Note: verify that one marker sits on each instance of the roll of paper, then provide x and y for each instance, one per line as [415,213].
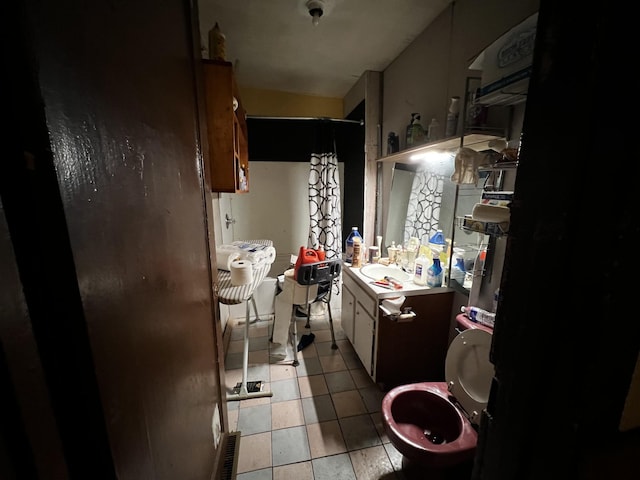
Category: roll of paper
[224,258]
[241,272]
[490,213]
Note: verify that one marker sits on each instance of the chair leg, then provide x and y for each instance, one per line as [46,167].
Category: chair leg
[334,346]
[294,335]
[255,309]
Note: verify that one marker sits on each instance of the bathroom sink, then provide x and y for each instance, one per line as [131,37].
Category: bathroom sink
[377,271]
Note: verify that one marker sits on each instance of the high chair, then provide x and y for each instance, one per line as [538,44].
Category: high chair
[313,283]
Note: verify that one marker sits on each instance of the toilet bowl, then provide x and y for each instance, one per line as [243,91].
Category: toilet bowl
[433,424]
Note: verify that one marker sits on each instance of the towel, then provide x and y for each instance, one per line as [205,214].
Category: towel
[394,305]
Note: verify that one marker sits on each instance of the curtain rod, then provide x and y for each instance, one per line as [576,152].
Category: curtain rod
[343,120]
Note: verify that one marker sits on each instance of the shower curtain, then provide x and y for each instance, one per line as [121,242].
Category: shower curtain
[423,210]
[325,226]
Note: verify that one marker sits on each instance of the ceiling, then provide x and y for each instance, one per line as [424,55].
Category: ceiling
[274,44]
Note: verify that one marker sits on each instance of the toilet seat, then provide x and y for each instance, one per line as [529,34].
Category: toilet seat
[469,371]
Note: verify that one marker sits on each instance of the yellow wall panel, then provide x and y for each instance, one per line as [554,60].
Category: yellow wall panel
[273,103]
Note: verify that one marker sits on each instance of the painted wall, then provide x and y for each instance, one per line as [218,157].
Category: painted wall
[273,103]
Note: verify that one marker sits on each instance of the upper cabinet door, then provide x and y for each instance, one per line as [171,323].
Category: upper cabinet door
[226,130]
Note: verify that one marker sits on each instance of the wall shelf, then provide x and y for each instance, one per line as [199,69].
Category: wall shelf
[476,141]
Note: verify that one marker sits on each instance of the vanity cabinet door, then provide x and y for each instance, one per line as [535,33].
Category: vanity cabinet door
[348,312]
[364,335]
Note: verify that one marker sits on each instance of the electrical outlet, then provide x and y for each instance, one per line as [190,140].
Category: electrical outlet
[215,427]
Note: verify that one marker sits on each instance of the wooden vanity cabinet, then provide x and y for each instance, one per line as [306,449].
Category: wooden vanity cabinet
[415,351]
[226,129]
[395,353]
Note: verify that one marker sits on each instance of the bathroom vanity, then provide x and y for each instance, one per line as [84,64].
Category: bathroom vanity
[396,352]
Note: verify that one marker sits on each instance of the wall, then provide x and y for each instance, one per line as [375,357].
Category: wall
[272,103]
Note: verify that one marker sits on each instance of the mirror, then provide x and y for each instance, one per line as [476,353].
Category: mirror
[421,197]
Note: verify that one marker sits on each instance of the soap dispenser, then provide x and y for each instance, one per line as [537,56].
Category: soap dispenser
[415,131]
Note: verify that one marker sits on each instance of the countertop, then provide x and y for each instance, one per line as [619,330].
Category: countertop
[408,288]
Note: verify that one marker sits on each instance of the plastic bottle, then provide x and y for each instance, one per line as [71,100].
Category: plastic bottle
[434,273]
[458,270]
[349,244]
[321,253]
[393,143]
[451,127]
[217,44]
[479,315]
[434,131]
[421,268]
[392,252]
[357,252]
[413,245]
[415,131]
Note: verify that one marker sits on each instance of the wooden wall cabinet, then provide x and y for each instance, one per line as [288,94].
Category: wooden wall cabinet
[227,130]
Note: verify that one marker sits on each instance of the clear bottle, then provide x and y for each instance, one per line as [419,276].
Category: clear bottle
[392,252]
[434,273]
[349,244]
[411,252]
[434,130]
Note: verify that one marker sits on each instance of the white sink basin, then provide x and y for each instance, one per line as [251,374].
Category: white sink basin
[376,271]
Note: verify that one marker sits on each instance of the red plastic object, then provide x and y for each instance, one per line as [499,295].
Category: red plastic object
[306,255]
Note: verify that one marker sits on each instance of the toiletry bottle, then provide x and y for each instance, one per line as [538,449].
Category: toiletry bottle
[357,252]
[409,132]
[458,270]
[420,270]
[411,251]
[393,143]
[434,273]
[434,131]
[392,252]
[321,253]
[217,44]
[349,244]
[452,117]
[415,131]
[479,315]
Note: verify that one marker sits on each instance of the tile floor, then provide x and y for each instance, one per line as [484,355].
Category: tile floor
[323,421]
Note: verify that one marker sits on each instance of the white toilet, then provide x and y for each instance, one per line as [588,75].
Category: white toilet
[434,424]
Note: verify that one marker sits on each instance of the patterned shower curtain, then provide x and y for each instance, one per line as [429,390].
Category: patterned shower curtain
[325,226]
[423,210]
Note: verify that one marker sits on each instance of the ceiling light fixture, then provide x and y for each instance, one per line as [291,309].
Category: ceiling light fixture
[316,9]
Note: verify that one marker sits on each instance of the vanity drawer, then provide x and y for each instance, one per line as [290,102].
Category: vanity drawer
[369,304]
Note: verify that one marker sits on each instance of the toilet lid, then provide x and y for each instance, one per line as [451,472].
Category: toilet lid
[468,370]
